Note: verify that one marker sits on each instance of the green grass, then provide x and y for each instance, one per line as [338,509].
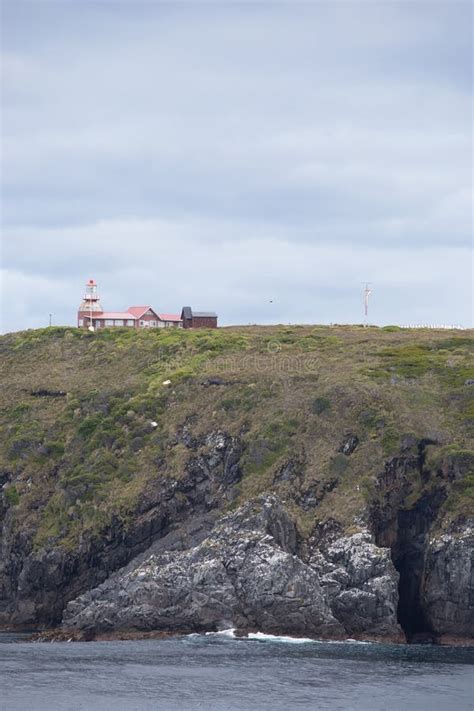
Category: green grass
[414,360]
[12,496]
[320,405]
[269,445]
[288,393]
[338,465]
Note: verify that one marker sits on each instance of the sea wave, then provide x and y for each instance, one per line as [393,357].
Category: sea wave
[262,637]
[230,633]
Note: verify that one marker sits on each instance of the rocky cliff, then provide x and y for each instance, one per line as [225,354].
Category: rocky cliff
[245,573]
[301,480]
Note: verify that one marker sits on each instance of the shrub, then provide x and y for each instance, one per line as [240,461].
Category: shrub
[21,446]
[369,417]
[19,410]
[54,449]
[260,455]
[454,343]
[412,361]
[390,441]
[137,444]
[12,496]
[88,426]
[230,403]
[106,434]
[467,411]
[320,405]
[85,481]
[273,442]
[338,464]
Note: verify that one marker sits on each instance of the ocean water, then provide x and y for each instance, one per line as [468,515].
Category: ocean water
[220,672]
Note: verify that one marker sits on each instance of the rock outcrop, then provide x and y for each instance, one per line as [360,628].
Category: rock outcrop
[246,573]
[189,568]
[436,568]
[349,453]
[448,590]
[360,581]
[35,585]
[251,571]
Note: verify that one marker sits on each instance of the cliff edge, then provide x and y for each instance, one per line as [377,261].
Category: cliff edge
[304,480]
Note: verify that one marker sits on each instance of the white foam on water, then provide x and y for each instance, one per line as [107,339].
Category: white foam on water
[230,633]
[261,636]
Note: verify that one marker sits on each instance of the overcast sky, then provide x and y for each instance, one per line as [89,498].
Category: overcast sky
[224,155]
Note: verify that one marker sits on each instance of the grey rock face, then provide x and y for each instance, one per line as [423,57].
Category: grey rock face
[436,569]
[448,593]
[349,444]
[214,472]
[36,585]
[361,583]
[245,573]
[184,571]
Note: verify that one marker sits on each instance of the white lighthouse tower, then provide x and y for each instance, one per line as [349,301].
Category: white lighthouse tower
[89,307]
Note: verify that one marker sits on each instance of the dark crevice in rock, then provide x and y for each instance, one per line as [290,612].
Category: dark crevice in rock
[42,392]
[405,530]
[408,555]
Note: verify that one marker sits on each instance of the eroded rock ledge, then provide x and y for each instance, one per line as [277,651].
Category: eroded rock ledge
[250,572]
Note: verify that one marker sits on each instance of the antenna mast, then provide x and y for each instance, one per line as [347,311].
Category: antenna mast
[367,293]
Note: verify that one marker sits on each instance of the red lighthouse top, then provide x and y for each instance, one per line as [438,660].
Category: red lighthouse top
[91,299]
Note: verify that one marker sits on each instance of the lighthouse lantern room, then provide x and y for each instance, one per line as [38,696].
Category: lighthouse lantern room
[90,305]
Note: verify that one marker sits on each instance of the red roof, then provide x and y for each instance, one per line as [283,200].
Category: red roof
[138,311]
[169,317]
[113,314]
[134,312]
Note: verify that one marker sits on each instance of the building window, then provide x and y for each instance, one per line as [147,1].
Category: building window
[130,322]
[109,322]
[81,322]
[118,322]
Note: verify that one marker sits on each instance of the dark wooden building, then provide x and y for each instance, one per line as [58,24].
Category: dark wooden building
[198,319]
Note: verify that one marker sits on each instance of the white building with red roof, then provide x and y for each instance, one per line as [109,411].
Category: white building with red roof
[91,315]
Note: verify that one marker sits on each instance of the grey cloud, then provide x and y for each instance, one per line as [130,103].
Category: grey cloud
[308,282]
[283,132]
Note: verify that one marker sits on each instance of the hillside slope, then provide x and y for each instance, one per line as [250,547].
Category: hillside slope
[355,445]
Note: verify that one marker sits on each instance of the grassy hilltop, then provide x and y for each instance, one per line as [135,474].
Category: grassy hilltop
[87,425]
